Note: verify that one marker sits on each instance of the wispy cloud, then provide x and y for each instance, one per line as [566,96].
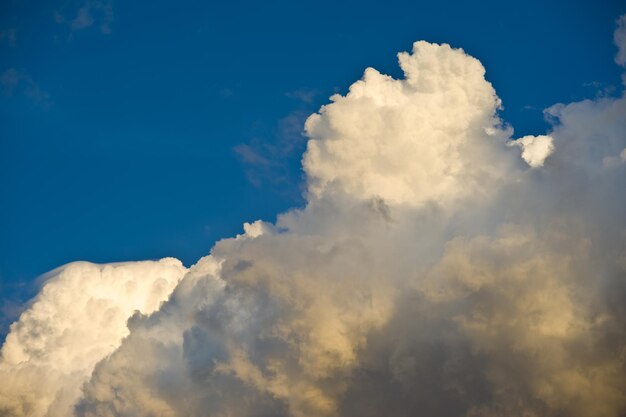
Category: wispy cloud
[15,82]
[269,160]
[97,13]
[619,37]
[304,95]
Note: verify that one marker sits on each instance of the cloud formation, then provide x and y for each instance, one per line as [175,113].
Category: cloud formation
[440,267]
[432,136]
[78,318]
[535,149]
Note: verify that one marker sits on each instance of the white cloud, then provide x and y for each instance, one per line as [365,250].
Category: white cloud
[78,318]
[535,149]
[430,272]
[432,136]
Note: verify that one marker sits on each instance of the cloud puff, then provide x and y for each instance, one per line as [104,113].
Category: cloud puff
[535,149]
[266,160]
[78,318]
[432,136]
[432,271]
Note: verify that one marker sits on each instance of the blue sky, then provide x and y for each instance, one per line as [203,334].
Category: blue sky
[137,130]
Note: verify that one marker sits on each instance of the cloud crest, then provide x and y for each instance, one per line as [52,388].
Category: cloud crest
[432,136]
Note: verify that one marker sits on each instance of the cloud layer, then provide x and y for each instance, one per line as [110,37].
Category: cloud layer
[439,267]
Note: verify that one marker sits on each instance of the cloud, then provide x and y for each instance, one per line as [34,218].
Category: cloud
[88,14]
[620,41]
[439,267]
[432,136]
[270,161]
[10,79]
[535,149]
[78,318]
[14,81]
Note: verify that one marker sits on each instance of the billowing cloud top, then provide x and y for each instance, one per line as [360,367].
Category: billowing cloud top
[78,318]
[439,268]
[432,136]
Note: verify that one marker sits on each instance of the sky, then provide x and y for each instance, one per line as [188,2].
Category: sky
[312,210]
[136,131]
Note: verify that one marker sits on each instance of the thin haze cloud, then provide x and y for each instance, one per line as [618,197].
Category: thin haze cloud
[88,14]
[439,267]
[14,82]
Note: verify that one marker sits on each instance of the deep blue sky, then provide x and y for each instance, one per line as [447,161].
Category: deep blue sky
[136,130]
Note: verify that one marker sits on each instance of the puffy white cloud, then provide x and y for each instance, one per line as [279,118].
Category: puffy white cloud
[535,149]
[78,318]
[431,271]
[432,136]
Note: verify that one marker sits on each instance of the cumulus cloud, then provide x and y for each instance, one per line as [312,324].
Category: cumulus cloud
[535,149]
[439,267]
[78,318]
[432,136]
[266,160]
